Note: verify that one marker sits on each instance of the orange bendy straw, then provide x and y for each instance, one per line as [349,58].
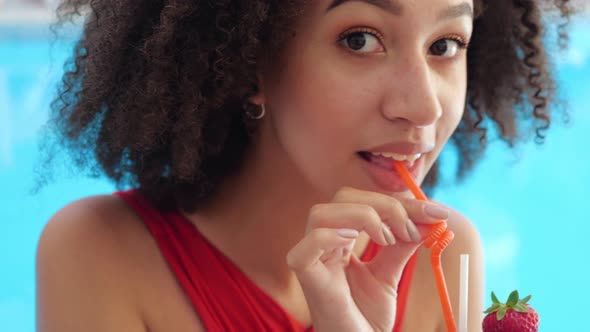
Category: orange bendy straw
[438,239]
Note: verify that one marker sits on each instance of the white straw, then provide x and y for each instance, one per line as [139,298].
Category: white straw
[463,292]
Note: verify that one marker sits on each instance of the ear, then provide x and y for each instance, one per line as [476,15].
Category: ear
[259,97]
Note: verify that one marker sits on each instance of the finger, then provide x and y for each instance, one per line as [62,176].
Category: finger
[422,215]
[305,259]
[347,254]
[396,212]
[425,212]
[390,262]
[337,256]
[360,217]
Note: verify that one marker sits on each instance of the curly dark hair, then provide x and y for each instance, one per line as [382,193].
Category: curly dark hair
[155,93]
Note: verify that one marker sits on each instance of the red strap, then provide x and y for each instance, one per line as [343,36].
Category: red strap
[403,291]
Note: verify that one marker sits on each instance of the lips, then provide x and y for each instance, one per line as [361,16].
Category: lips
[380,170]
[403,148]
[386,160]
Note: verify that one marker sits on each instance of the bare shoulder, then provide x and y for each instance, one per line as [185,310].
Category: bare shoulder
[467,240]
[97,265]
[82,271]
[90,228]
[467,236]
[92,221]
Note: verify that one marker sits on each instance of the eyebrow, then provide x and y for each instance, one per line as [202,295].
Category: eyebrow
[394,7]
[390,6]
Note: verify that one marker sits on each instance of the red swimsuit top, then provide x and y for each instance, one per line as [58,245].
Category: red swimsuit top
[224,298]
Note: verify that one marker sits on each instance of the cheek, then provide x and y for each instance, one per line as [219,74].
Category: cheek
[449,122]
[453,106]
[453,101]
[315,115]
[314,103]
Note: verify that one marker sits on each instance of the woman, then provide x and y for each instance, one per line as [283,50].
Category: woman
[258,137]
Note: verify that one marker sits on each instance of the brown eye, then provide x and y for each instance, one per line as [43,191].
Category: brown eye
[447,47]
[361,42]
[356,41]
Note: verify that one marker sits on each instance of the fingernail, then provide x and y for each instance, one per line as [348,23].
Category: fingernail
[345,252]
[349,247]
[389,238]
[413,231]
[348,233]
[436,211]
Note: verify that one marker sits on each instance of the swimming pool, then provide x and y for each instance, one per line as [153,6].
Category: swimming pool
[531,214]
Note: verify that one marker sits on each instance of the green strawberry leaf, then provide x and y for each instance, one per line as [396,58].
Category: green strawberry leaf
[501,313]
[493,308]
[494,298]
[513,302]
[512,299]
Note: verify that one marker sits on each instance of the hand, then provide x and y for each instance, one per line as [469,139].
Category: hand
[343,293]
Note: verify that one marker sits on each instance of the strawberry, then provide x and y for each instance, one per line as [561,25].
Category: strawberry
[513,316]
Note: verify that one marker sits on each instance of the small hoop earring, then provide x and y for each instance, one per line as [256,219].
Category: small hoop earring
[258,116]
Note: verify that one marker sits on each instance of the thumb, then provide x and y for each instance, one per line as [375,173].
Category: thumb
[390,262]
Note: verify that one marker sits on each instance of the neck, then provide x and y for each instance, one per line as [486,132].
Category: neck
[257,216]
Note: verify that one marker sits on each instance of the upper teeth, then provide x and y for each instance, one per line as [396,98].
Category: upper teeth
[401,157]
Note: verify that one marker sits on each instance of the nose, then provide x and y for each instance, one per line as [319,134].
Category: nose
[411,94]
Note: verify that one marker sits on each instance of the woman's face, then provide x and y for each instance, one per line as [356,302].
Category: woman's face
[363,78]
